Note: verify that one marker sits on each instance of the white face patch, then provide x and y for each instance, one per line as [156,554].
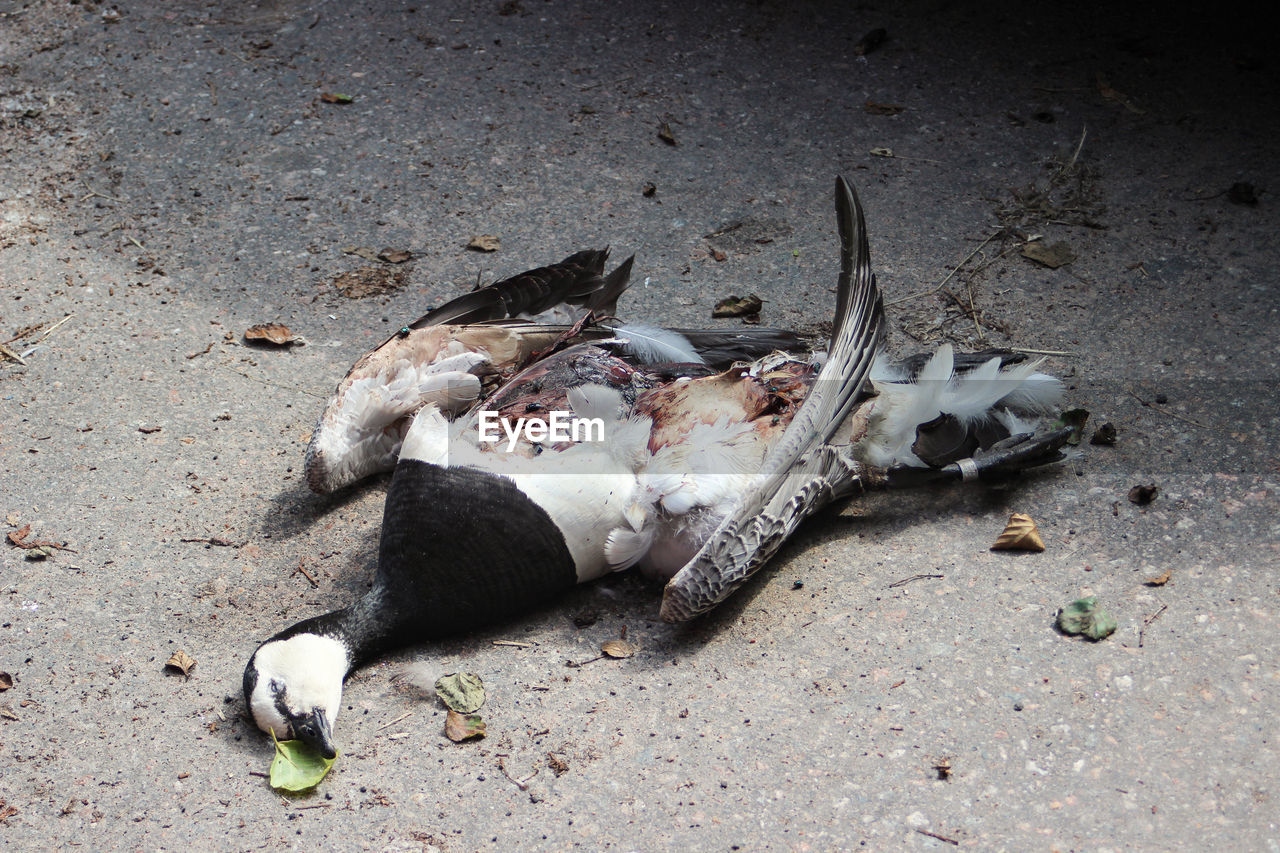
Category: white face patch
[303,672]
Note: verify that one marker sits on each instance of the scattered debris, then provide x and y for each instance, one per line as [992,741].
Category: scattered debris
[665,134]
[213,540]
[1159,580]
[648,190]
[459,727]
[406,715]
[149,429]
[943,768]
[618,649]
[1160,400]
[732,306]
[461,691]
[302,569]
[37,549]
[513,643]
[366,252]
[1143,495]
[11,355]
[522,784]
[1146,623]
[370,281]
[297,767]
[1053,255]
[387,255]
[1084,617]
[395,256]
[335,98]
[953,842]
[906,581]
[6,681]
[1104,435]
[870,41]
[273,333]
[181,662]
[485,243]
[1020,534]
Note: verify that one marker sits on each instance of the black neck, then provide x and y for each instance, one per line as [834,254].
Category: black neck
[360,627]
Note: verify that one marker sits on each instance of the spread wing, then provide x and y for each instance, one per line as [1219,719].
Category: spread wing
[803,471]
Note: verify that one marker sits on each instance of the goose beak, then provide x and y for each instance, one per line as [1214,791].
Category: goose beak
[316,731]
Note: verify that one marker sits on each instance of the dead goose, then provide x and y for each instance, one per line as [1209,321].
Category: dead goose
[694,475]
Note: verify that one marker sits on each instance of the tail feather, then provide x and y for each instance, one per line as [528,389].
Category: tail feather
[941,413]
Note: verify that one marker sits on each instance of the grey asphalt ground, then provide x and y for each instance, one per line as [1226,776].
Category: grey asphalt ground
[172,175]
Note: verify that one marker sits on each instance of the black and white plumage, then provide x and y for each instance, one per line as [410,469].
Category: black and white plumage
[699,472]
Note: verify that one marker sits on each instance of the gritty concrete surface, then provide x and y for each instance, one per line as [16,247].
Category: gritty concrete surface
[171,175]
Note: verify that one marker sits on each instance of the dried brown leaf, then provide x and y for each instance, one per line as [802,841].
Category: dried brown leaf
[181,662]
[1104,435]
[485,243]
[460,727]
[370,281]
[1052,255]
[335,98]
[394,256]
[665,134]
[618,649]
[367,252]
[1143,495]
[18,537]
[1160,580]
[273,333]
[732,306]
[6,681]
[1020,534]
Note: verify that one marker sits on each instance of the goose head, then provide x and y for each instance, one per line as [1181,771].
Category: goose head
[293,688]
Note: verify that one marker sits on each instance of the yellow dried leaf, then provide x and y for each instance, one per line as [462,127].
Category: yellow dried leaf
[618,649]
[1020,534]
[1160,580]
[275,333]
[485,243]
[181,662]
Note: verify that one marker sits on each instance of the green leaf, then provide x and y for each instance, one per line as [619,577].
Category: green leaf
[461,691]
[1085,617]
[1074,418]
[297,767]
[460,727]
